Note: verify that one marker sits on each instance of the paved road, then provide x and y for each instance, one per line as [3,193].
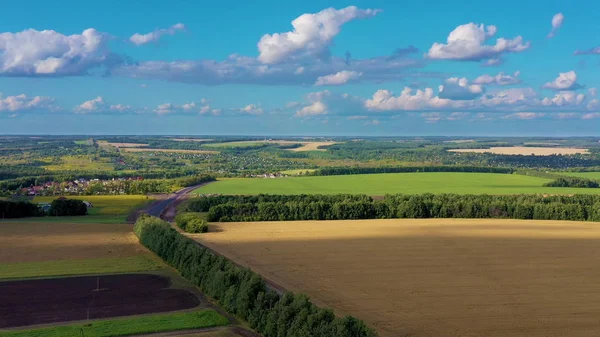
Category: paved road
[160,207]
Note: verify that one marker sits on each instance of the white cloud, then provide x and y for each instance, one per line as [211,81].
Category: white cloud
[192,107]
[384,100]
[567,115]
[339,78]
[595,50]
[467,43]
[165,108]
[92,105]
[500,79]
[252,109]
[49,53]
[557,21]
[564,98]
[592,115]
[98,104]
[564,81]
[524,115]
[23,102]
[459,89]
[316,108]
[141,39]
[312,34]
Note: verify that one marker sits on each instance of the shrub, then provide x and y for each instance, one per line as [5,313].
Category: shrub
[67,207]
[196,226]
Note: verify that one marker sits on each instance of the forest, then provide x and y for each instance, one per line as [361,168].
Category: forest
[241,291]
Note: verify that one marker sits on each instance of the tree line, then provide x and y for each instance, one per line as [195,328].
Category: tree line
[332,171]
[18,209]
[573,182]
[343,207]
[241,291]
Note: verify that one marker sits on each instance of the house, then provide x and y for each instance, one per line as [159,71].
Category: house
[88,204]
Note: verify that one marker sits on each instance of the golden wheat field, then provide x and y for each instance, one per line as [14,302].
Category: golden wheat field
[434,277]
[526,150]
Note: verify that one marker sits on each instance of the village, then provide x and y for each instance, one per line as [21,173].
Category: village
[80,186]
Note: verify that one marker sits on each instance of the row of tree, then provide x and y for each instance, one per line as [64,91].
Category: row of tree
[18,209]
[195,180]
[280,208]
[243,292]
[573,182]
[333,171]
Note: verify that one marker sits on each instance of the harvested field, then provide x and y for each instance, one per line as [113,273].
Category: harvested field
[434,277]
[191,140]
[55,249]
[312,146]
[166,150]
[526,150]
[119,145]
[27,242]
[32,302]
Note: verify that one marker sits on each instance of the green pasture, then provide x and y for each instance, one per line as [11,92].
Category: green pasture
[113,265]
[381,184]
[81,163]
[107,209]
[129,326]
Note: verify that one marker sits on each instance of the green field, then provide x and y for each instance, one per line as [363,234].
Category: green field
[381,184]
[77,163]
[107,209]
[588,175]
[79,267]
[129,326]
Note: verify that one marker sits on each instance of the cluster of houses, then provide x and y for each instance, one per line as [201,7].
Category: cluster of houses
[77,186]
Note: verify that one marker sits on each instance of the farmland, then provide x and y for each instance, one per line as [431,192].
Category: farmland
[380,184]
[306,145]
[588,175]
[136,149]
[526,150]
[431,278]
[38,249]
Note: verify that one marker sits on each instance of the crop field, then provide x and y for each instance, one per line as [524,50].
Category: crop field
[130,326]
[433,277]
[166,150]
[57,249]
[381,184]
[526,150]
[312,146]
[307,146]
[81,163]
[119,145]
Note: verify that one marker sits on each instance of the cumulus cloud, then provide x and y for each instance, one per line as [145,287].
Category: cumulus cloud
[98,104]
[326,102]
[557,21]
[467,43]
[252,109]
[499,79]
[459,89]
[141,39]
[312,35]
[564,81]
[192,107]
[49,53]
[338,78]
[401,52]
[384,100]
[591,115]
[23,102]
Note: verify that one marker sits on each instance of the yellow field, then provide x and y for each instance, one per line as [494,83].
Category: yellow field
[525,150]
[312,146]
[166,150]
[434,277]
[119,145]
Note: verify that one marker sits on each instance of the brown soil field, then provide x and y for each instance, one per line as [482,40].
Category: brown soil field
[33,302]
[28,242]
[312,146]
[166,150]
[525,150]
[433,277]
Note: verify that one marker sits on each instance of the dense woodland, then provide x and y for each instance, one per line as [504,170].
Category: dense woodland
[242,292]
[349,207]
[18,209]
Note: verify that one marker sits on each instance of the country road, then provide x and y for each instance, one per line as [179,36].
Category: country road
[166,208]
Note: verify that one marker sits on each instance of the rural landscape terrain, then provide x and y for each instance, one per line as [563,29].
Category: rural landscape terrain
[220,236]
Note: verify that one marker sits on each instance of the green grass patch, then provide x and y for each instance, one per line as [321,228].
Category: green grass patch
[380,184]
[129,326]
[81,163]
[114,265]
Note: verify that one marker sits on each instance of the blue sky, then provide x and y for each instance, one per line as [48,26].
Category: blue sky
[300,68]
